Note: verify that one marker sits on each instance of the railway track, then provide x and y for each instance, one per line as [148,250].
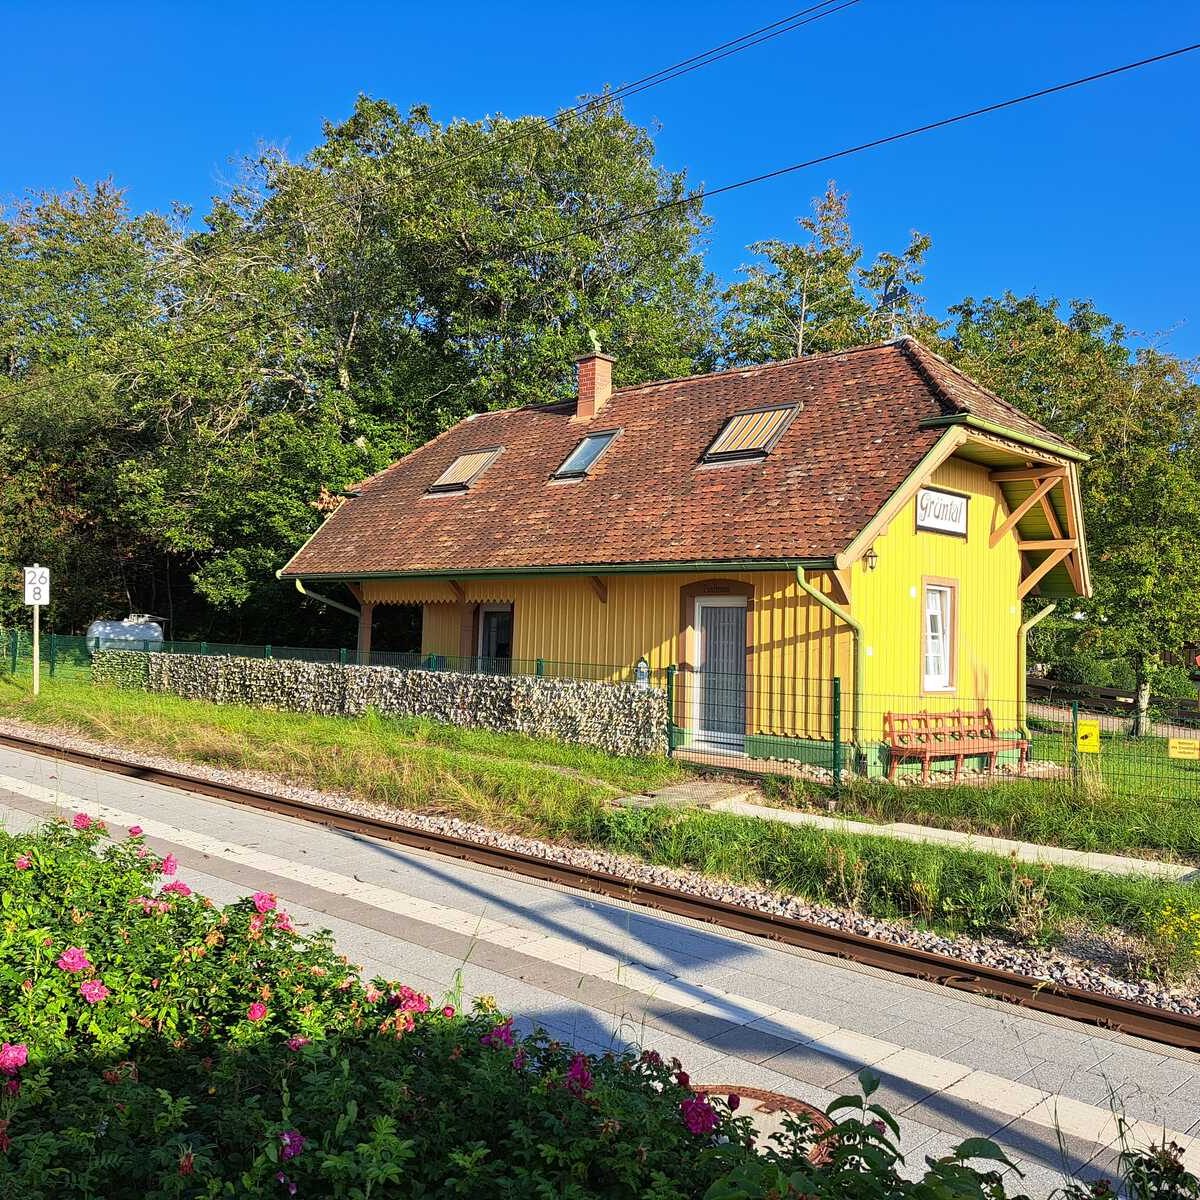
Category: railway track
[1108,1012]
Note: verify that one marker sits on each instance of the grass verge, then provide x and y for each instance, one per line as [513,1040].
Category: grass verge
[563,792]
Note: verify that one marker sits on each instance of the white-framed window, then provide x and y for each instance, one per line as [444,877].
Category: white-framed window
[938,662]
[581,460]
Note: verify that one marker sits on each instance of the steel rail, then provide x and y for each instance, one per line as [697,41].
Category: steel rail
[1092,1008]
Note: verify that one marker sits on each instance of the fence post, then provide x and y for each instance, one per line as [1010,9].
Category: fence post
[541,667]
[203,648]
[837,738]
[12,649]
[266,652]
[343,656]
[53,654]
[1075,743]
[671,709]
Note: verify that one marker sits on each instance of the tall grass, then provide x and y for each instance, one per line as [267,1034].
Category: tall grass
[505,779]
[943,887]
[1097,817]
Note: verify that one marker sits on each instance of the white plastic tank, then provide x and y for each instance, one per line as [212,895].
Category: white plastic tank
[133,633]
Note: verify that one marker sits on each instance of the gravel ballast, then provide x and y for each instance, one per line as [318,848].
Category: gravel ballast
[1090,970]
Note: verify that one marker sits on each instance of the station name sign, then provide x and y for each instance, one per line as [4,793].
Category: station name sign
[942,512]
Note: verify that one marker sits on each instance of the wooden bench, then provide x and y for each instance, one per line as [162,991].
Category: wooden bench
[958,735]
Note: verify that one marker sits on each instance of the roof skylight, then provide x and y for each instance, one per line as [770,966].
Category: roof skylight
[581,460]
[750,434]
[465,469]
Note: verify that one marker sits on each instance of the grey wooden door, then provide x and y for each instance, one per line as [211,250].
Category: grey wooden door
[721,630]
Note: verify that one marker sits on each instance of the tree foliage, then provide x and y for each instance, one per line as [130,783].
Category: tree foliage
[173,404]
[1134,411]
[816,295]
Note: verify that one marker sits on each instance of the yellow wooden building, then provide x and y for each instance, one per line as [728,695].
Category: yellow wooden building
[871,516]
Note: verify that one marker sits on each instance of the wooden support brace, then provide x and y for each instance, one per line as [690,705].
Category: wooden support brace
[840,586]
[1043,568]
[460,593]
[1050,544]
[1030,473]
[599,587]
[1057,532]
[356,591]
[366,616]
[1042,489]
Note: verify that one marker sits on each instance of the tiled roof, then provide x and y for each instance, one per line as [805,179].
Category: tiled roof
[964,395]
[857,435]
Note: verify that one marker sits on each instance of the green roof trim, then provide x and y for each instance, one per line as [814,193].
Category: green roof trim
[973,422]
[656,568]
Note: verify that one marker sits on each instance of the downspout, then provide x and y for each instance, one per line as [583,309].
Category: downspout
[317,596]
[1022,647]
[855,632]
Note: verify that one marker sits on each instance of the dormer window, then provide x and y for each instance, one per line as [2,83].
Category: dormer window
[752,434]
[581,460]
[465,469]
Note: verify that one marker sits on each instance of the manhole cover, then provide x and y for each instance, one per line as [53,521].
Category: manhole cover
[767,1110]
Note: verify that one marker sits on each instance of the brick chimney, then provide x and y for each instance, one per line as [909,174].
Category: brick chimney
[595,383]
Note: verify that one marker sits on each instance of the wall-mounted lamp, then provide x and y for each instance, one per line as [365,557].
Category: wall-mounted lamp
[871,559]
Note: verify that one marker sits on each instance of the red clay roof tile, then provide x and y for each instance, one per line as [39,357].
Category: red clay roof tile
[856,437]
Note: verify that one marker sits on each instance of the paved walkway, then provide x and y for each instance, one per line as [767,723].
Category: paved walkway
[601,973]
[1085,860]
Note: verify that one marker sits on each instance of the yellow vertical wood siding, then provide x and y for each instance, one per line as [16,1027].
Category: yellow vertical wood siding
[441,629]
[797,646]
[888,601]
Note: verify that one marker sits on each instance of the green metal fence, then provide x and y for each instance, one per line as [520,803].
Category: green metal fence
[810,732]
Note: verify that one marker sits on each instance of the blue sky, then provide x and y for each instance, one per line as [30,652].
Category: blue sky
[1092,193]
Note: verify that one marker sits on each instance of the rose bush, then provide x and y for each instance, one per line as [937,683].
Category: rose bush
[153,1044]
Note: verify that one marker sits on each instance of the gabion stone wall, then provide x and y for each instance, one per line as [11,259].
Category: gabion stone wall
[616,717]
[121,668]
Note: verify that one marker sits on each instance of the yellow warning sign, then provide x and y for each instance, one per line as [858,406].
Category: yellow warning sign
[1183,748]
[1087,736]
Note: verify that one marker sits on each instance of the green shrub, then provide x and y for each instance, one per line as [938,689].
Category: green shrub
[155,1045]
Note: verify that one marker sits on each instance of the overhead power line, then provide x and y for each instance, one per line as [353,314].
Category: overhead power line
[875,143]
[519,131]
[708,193]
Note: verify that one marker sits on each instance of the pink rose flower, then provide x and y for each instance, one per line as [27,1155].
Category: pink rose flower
[734,1101]
[284,923]
[263,901]
[81,821]
[579,1077]
[93,991]
[502,1035]
[169,865]
[135,831]
[409,1001]
[448,1011]
[256,1011]
[74,959]
[698,1115]
[296,1041]
[12,1087]
[280,1177]
[13,1057]
[291,1142]
[177,888]
[23,862]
